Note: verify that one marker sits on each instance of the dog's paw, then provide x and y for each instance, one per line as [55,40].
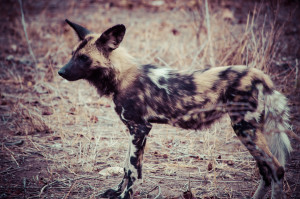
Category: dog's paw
[110,193]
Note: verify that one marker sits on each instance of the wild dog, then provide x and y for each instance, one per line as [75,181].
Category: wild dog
[145,94]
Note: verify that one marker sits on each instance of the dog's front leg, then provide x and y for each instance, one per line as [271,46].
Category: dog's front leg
[134,159]
[116,192]
[133,163]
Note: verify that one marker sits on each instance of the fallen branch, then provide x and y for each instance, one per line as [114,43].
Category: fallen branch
[72,186]
[196,180]
[17,143]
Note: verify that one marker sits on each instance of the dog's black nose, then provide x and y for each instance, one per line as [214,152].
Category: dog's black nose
[61,72]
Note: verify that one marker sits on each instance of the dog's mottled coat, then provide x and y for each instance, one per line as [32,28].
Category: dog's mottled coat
[145,94]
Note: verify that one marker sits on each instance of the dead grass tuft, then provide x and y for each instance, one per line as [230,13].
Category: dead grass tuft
[27,120]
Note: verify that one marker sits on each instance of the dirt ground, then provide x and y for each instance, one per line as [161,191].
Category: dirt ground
[58,137]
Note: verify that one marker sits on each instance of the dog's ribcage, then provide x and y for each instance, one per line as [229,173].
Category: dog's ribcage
[191,100]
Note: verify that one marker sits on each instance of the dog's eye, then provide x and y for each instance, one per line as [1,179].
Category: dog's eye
[83,57]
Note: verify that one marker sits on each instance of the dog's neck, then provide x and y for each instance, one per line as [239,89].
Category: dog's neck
[104,80]
[123,71]
[125,66]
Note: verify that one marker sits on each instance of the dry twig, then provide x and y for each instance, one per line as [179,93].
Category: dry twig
[26,35]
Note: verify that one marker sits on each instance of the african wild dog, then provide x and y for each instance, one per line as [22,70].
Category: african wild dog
[191,100]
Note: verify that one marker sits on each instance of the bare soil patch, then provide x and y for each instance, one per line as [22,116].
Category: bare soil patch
[56,136]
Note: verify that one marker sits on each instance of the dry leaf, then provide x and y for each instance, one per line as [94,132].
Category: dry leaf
[94,119]
[209,166]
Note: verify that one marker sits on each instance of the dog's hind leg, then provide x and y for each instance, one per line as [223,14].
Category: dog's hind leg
[270,169]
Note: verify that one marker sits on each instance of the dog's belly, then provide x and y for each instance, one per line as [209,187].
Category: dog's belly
[197,119]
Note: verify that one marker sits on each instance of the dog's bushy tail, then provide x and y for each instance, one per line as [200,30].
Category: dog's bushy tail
[276,126]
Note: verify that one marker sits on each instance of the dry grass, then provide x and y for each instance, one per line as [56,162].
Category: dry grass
[73,134]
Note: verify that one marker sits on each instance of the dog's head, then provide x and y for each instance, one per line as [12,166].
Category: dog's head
[92,53]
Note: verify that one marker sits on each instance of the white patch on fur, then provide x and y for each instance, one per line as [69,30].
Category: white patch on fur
[132,147]
[156,74]
[122,114]
[131,153]
[276,124]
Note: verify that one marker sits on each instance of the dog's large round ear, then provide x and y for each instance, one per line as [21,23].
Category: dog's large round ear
[80,31]
[111,38]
